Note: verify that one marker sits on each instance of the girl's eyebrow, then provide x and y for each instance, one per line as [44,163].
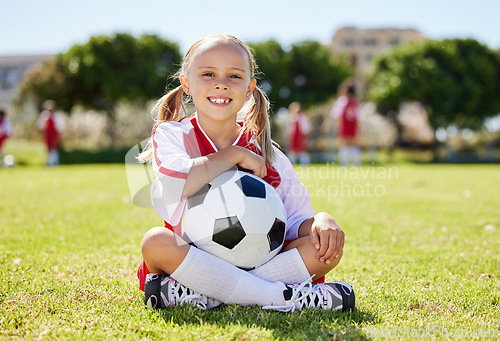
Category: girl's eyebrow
[214,68]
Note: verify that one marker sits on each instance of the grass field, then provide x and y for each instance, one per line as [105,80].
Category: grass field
[422,253]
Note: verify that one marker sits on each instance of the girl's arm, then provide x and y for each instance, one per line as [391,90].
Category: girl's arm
[326,235]
[206,168]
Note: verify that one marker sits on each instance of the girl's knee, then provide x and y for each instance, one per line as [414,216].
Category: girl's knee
[162,250]
[150,237]
[157,237]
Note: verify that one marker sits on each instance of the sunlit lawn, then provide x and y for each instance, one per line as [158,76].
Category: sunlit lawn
[422,253]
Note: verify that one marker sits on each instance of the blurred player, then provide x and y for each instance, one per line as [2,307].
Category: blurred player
[299,128]
[345,112]
[52,125]
[5,131]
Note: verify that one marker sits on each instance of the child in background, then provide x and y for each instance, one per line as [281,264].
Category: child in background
[187,152]
[5,131]
[299,128]
[52,125]
[345,112]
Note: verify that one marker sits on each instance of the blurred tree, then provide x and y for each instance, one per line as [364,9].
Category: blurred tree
[43,81]
[273,74]
[458,81]
[313,74]
[306,73]
[104,71]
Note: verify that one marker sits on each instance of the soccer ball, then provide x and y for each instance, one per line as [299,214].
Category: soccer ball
[9,161]
[237,217]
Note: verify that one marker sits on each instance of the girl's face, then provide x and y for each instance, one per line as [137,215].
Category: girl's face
[219,81]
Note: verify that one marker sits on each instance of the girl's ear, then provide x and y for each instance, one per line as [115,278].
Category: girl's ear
[251,87]
[185,84]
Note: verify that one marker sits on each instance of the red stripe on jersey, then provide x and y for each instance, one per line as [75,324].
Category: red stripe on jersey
[163,170]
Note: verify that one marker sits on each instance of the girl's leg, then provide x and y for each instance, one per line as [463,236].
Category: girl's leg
[56,157]
[308,253]
[287,267]
[344,155]
[166,253]
[356,155]
[206,274]
[163,251]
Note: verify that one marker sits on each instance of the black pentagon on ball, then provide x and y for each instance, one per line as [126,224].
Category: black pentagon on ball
[251,187]
[276,235]
[228,232]
[198,198]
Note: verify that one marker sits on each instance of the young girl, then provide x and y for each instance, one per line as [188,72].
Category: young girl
[299,128]
[52,125]
[346,112]
[5,131]
[218,74]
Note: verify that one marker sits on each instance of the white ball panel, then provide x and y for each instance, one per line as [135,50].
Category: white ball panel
[276,204]
[197,224]
[256,216]
[227,177]
[251,252]
[224,201]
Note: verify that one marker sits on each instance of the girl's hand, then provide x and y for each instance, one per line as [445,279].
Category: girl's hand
[327,236]
[252,162]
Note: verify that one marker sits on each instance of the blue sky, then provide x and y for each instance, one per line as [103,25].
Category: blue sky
[52,26]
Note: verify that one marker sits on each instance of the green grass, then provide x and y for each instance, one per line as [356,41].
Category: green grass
[422,253]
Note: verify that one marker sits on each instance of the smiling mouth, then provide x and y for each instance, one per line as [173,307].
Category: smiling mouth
[218,100]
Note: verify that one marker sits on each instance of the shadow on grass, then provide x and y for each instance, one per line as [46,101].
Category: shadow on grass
[299,325]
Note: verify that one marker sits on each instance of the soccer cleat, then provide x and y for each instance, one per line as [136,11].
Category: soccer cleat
[164,291]
[327,296]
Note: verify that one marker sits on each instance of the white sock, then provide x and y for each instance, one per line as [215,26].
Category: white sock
[344,155]
[53,158]
[355,154]
[220,280]
[287,267]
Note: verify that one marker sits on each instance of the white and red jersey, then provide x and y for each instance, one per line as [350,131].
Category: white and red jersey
[177,143]
[346,112]
[52,124]
[299,128]
[5,131]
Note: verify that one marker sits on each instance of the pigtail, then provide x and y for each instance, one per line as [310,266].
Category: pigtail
[167,108]
[256,120]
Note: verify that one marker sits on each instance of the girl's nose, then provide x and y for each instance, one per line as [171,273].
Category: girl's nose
[219,84]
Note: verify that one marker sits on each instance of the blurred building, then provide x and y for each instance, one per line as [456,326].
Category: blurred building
[12,68]
[362,45]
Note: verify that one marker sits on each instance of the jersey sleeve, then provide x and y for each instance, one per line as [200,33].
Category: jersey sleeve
[42,118]
[294,195]
[338,107]
[171,165]
[305,124]
[6,127]
[60,123]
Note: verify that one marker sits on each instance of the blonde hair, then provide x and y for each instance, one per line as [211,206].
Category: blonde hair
[255,116]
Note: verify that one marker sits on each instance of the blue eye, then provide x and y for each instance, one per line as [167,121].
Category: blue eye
[208,74]
[234,76]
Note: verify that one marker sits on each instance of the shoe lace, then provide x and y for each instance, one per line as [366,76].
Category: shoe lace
[298,299]
[194,300]
[308,295]
[179,294]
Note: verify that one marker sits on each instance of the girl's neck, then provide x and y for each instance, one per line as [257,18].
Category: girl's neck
[222,134]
